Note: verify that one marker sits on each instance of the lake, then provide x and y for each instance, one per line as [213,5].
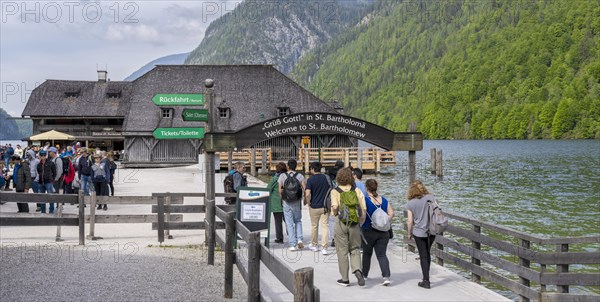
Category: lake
[547,188]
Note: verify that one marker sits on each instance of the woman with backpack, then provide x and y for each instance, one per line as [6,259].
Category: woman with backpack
[376,231]
[275,201]
[348,207]
[418,226]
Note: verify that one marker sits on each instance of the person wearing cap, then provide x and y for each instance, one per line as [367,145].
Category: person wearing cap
[33,162]
[100,172]
[21,180]
[58,178]
[84,167]
[46,174]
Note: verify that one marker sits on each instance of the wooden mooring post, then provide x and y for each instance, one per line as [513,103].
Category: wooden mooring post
[439,168]
[81,203]
[303,284]
[432,154]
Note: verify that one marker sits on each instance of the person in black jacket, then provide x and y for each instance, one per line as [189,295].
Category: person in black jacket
[21,180]
[46,174]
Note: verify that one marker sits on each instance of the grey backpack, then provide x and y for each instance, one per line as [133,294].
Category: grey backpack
[379,219]
[438,220]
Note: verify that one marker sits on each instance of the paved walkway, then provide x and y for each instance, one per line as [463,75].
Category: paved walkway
[446,285]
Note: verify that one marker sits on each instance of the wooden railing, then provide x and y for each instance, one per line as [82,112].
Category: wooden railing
[43,220]
[299,282]
[485,249]
[365,158]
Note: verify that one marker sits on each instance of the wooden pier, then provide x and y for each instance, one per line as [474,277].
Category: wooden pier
[371,159]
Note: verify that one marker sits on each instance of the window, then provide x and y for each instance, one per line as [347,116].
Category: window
[224,112]
[115,95]
[284,111]
[167,113]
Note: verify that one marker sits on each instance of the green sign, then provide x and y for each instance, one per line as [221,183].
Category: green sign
[178,99]
[198,115]
[178,133]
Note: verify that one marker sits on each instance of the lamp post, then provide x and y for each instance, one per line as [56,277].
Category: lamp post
[209,168]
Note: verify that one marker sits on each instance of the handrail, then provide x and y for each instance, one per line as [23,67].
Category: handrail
[457,251]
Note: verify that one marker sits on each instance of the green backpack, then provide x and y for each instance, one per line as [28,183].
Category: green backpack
[349,210]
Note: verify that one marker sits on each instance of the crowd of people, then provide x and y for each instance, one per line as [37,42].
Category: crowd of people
[343,210]
[53,170]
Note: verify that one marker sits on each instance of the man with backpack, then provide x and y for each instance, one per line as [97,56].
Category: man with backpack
[234,179]
[291,189]
[317,191]
[84,167]
[349,208]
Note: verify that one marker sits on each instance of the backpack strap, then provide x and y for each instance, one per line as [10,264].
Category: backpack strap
[339,190]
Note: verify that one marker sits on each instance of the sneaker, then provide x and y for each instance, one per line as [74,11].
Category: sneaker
[332,242]
[279,241]
[324,252]
[359,276]
[425,284]
[313,248]
[105,208]
[292,249]
[300,245]
[343,283]
[99,207]
[386,281]
[366,278]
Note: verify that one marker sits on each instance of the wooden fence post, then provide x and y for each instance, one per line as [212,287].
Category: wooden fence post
[161,218]
[229,253]
[59,215]
[377,161]
[92,196]
[432,154]
[304,284]
[476,246]
[525,263]
[359,158]
[562,268]
[168,216]
[253,162]
[254,266]
[440,247]
[412,166]
[439,162]
[264,166]
[81,217]
[306,160]
[346,157]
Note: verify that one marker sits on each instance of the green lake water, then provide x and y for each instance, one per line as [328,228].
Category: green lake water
[546,188]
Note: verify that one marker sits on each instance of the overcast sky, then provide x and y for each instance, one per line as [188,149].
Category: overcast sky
[67,40]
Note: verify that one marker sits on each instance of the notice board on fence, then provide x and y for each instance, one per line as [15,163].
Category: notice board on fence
[253,208]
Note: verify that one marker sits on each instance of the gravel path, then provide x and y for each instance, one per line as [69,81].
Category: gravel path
[57,272]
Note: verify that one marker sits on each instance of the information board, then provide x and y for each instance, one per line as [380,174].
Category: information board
[253,208]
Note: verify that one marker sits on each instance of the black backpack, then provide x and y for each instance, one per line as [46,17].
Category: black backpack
[86,166]
[65,166]
[228,186]
[292,190]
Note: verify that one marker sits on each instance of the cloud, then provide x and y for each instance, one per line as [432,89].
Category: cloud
[139,32]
